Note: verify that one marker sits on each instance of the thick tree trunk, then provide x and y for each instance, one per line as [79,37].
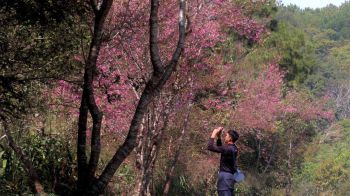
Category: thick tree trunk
[86,172]
[28,165]
[81,146]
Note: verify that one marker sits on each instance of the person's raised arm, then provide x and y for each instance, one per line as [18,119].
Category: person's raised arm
[218,141]
[211,144]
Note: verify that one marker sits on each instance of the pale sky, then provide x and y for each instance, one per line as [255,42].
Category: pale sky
[312,3]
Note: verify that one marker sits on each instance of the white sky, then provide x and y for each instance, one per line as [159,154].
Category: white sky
[312,3]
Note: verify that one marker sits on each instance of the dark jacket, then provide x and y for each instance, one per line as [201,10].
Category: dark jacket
[228,155]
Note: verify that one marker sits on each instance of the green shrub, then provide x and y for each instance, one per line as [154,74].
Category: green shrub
[51,157]
[328,169]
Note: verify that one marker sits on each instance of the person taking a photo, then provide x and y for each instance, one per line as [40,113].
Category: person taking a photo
[228,151]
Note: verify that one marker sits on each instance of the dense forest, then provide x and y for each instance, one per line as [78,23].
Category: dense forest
[120,97]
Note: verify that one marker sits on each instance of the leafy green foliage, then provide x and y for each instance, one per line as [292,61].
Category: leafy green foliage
[296,51]
[37,42]
[3,163]
[126,177]
[326,30]
[327,166]
[51,156]
[287,45]
[328,18]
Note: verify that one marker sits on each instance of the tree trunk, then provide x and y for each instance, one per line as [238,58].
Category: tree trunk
[171,169]
[289,169]
[139,157]
[81,146]
[272,153]
[86,172]
[150,138]
[28,165]
[259,154]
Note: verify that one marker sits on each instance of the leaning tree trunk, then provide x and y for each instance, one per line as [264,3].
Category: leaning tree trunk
[274,141]
[36,185]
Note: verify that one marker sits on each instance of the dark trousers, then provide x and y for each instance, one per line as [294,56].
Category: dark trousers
[229,192]
[225,185]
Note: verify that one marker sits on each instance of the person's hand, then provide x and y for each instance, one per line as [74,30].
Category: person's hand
[216,132]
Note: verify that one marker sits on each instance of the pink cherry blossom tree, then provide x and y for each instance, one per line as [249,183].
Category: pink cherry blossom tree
[122,76]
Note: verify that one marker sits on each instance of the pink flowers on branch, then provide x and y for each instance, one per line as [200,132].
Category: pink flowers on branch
[124,65]
[261,100]
[261,103]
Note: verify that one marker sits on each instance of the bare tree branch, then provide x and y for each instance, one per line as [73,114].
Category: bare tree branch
[153,41]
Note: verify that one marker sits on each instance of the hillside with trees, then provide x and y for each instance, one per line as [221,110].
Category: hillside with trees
[120,97]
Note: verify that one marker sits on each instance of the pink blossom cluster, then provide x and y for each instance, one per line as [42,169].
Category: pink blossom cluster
[261,104]
[306,107]
[261,100]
